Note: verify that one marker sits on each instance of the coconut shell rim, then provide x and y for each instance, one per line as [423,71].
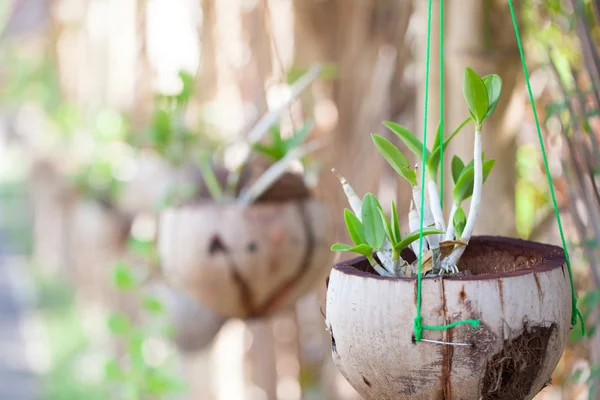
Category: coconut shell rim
[553,258]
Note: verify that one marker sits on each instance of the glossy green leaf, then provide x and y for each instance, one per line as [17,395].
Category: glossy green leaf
[372,222]
[409,139]
[355,227]
[413,236]
[476,95]
[493,85]
[459,221]
[457,167]
[464,186]
[395,158]
[395,224]
[363,249]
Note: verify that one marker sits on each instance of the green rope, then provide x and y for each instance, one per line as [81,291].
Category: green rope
[441,133]
[574,311]
[418,325]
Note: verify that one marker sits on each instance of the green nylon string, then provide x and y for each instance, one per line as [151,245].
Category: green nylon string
[418,325]
[574,311]
[441,133]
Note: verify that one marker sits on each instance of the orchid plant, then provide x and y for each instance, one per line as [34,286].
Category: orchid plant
[371,231]
[280,151]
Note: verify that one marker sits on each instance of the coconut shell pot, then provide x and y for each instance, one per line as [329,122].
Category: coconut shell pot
[247,261]
[520,292]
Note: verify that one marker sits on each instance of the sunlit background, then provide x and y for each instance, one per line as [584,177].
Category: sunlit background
[85,163]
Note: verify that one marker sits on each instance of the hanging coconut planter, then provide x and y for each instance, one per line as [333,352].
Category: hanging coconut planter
[255,248]
[519,291]
[469,317]
[246,261]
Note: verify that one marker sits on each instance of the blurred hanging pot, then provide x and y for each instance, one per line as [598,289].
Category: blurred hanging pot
[248,260]
[195,325]
[520,292]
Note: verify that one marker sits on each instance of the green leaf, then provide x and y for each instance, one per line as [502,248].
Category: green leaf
[123,277]
[372,222]
[464,186]
[187,89]
[493,85]
[153,305]
[363,249]
[269,151]
[299,137]
[355,227]
[476,95]
[113,371]
[457,167]
[275,135]
[409,139]
[387,226]
[208,175]
[118,324]
[395,224]
[161,129]
[411,237]
[434,161]
[459,221]
[341,247]
[395,158]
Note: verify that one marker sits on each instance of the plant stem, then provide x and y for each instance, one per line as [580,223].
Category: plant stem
[378,268]
[434,202]
[274,172]
[450,231]
[413,225]
[475,203]
[427,218]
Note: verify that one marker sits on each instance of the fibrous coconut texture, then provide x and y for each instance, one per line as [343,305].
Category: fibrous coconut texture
[248,261]
[520,292]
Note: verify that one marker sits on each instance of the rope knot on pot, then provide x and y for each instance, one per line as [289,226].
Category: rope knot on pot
[418,327]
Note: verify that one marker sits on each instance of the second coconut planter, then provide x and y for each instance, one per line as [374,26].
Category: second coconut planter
[246,261]
[520,292]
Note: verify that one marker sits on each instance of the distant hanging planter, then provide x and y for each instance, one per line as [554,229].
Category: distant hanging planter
[469,318]
[251,254]
[195,325]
